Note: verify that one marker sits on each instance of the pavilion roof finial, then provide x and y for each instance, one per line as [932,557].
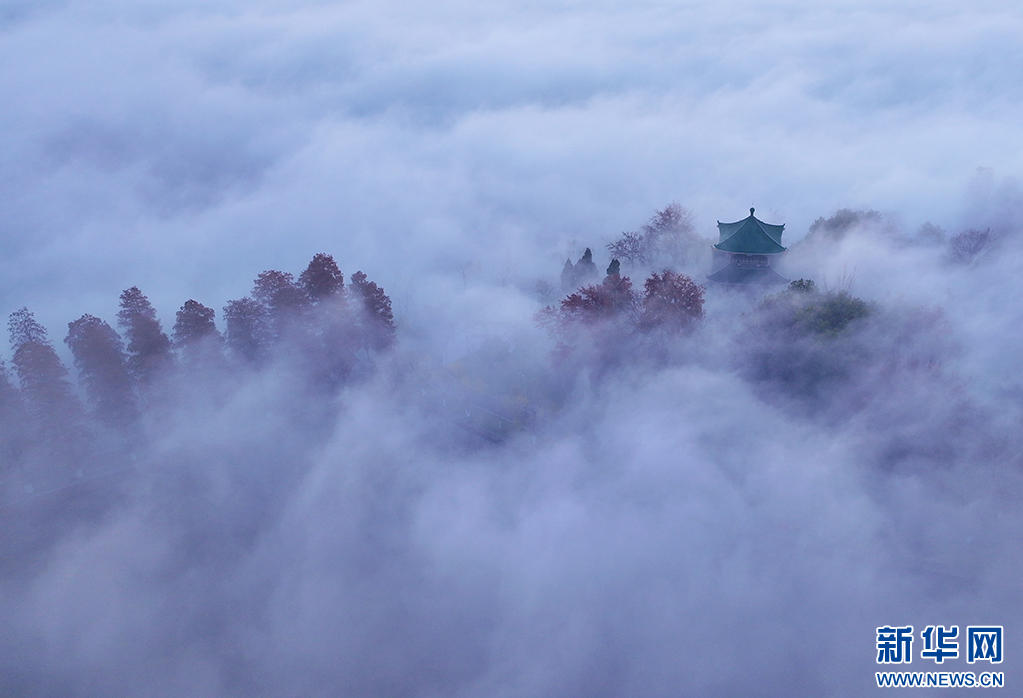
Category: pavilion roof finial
[751,210]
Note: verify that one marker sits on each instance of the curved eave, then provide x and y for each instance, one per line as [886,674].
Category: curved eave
[748,250]
[750,236]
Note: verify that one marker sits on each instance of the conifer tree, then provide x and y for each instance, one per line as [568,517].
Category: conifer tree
[284,303]
[149,349]
[56,415]
[103,369]
[378,330]
[195,322]
[248,332]
[12,422]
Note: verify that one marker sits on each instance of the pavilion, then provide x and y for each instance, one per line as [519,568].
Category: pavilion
[749,244]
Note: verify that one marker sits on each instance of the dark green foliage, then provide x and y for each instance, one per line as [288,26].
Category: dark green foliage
[801,341]
[803,309]
[43,377]
[833,313]
[149,349]
[803,286]
[103,369]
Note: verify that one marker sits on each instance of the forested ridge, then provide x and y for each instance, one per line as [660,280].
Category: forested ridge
[256,477]
[326,334]
[326,331]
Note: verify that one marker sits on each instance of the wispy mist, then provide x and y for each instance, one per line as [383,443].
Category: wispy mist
[290,494]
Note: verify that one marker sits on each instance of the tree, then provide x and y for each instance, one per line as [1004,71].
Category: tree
[149,349]
[103,369]
[277,292]
[582,272]
[12,422]
[844,220]
[283,301]
[194,322]
[248,330]
[55,413]
[672,302]
[965,246]
[196,336]
[803,286]
[668,235]
[593,326]
[322,279]
[833,313]
[629,246]
[378,331]
[802,310]
[568,283]
[610,300]
[544,290]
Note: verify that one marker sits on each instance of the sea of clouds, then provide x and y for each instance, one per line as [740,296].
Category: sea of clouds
[681,527]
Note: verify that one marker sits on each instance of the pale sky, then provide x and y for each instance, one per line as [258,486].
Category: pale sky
[184,147]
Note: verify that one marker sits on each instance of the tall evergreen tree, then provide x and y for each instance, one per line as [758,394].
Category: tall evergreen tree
[277,291]
[248,331]
[378,330]
[12,422]
[103,369]
[283,301]
[197,338]
[149,349]
[55,412]
[195,322]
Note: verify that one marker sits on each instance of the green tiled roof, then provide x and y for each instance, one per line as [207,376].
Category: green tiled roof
[750,236]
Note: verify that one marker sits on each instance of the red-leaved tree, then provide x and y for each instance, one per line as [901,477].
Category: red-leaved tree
[672,302]
[596,319]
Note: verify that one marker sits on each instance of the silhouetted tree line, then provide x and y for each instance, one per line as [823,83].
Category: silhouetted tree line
[48,433]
